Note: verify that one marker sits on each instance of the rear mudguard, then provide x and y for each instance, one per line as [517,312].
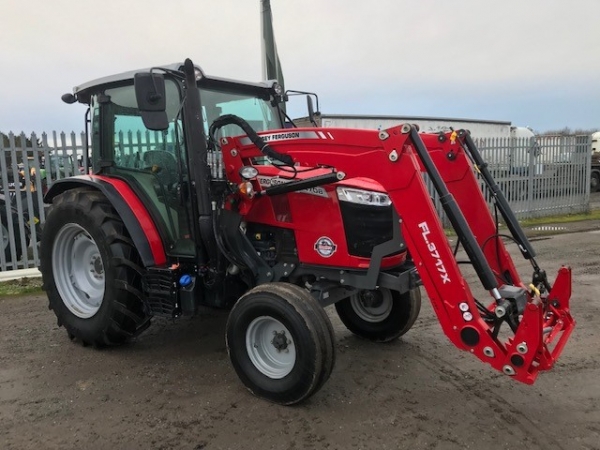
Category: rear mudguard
[133,213]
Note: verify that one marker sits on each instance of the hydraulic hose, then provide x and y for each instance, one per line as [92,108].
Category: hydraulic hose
[230,119]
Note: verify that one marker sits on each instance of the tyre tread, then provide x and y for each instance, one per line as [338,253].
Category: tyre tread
[128,317]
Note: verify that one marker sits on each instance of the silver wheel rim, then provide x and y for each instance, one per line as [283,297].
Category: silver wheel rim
[78,271]
[270,347]
[370,309]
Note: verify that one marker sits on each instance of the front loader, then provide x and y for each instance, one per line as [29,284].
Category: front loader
[202,193]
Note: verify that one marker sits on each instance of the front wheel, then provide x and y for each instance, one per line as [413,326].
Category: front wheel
[91,270]
[280,343]
[380,315]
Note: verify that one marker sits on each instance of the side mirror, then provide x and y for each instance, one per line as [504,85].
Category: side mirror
[312,115]
[69,98]
[151,99]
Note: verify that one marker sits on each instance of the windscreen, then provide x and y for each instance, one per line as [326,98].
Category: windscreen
[259,113]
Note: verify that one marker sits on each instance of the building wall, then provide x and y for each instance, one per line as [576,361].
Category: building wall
[478,128]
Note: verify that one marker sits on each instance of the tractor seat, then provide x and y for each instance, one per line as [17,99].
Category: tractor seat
[165,163]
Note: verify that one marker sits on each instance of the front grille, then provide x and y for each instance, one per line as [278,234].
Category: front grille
[365,227]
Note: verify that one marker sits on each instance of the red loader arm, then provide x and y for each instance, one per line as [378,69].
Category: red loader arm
[538,316]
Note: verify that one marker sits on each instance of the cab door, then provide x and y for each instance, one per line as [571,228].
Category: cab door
[154,163]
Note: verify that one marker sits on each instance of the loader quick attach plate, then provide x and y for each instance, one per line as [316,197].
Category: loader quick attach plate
[160,292]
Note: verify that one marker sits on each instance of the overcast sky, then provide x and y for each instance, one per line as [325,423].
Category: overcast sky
[532,62]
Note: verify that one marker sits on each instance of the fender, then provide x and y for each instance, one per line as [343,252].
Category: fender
[130,208]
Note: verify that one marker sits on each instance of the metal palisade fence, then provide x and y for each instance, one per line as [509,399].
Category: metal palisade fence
[28,166]
[543,175]
[540,176]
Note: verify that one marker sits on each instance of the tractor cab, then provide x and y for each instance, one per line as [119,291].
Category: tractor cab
[157,163]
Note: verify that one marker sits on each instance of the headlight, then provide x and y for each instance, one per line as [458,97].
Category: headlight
[248,172]
[362,197]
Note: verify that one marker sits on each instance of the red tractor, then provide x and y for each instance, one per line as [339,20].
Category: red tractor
[201,193]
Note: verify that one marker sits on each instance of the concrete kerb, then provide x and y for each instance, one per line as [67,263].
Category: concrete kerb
[10,275]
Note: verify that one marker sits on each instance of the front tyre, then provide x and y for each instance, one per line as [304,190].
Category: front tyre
[91,270]
[380,315]
[280,343]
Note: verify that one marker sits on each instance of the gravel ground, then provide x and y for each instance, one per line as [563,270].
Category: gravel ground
[173,388]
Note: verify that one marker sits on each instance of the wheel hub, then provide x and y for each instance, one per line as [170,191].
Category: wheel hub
[280,341]
[270,347]
[371,299]
[78,270]
[96,267]
[373,305]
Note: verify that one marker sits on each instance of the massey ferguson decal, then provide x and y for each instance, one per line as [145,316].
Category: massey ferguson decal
[266,182]
[288,135]
[433,251]
[325,247]
[281,136]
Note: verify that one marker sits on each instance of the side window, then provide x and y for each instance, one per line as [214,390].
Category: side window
[133,143]
[136,147]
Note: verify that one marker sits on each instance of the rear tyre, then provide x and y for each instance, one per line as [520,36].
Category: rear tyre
[380,315]
[595,182]
[91,270]
[5,217]
[280,343]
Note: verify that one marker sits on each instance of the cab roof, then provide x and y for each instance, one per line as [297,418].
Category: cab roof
[209,80]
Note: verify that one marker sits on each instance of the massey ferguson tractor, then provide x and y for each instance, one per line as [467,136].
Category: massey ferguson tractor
[201,192]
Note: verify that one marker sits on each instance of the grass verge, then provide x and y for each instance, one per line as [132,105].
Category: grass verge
[567,218]
[561,219]
[23,286]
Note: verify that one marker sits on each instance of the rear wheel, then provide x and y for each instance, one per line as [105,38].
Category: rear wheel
[380,315]
[280,343]
[595,182]
[91,270]
[5,217]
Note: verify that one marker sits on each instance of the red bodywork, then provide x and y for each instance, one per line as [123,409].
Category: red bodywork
[312,215]
[142,215]
[387,162]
